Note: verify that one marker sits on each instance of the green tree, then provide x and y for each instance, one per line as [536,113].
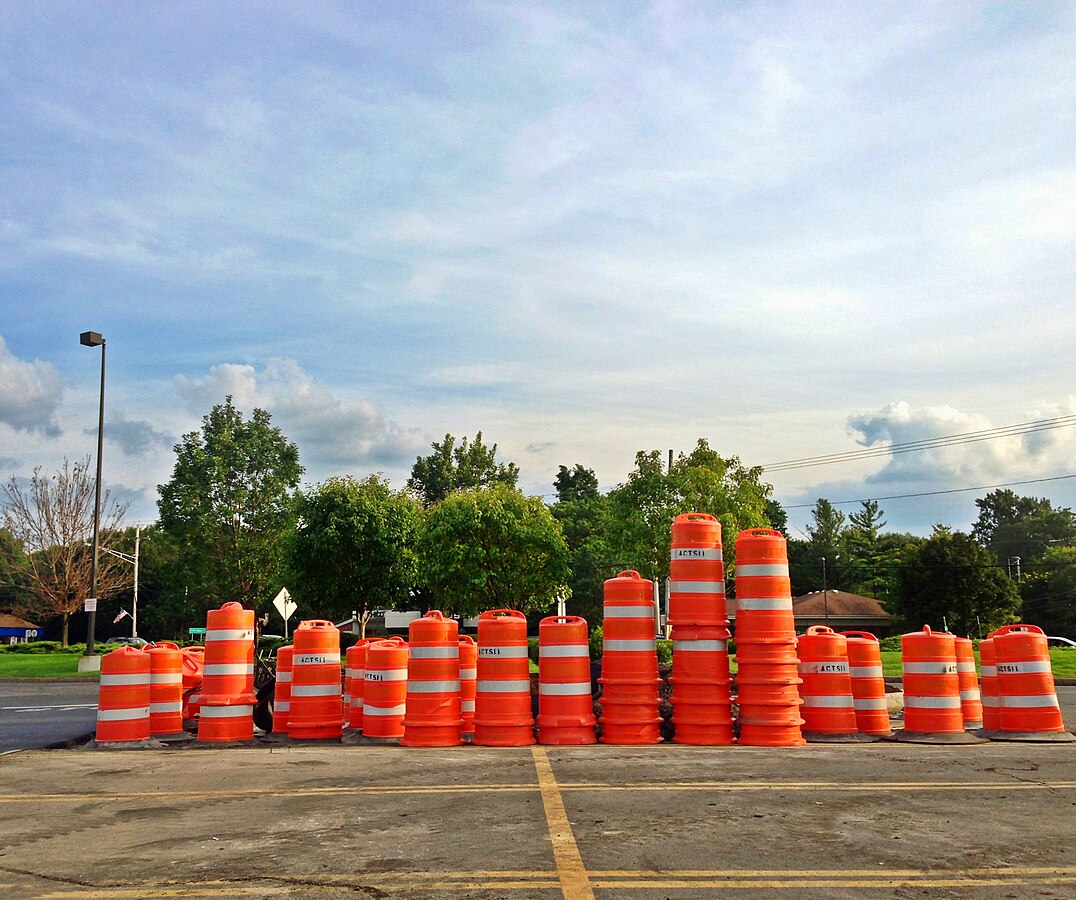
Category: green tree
[950,578]
[825,540]
[229,507]
[166,608]
[1010,525]
[492,548]
[583,514]
[1048,592]
[777,516]
[354,547]
[13,565]
[450,468]
[642,509]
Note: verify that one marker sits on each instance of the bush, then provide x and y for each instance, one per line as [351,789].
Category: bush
[532,650]
[665,652]
[890,643]
[597,641]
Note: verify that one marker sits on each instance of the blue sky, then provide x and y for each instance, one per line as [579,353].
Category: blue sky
[587,230]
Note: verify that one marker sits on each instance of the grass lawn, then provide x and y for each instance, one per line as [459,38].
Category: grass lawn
[41,665]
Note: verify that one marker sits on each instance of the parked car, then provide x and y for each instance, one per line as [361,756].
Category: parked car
[134,641]
[1060,641]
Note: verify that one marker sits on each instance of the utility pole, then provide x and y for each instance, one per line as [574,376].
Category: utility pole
[825,592]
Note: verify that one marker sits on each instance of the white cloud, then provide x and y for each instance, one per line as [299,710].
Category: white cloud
[30,394]
[330,431]
[137,438]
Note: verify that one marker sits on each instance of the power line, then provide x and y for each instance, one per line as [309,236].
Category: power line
[968,437]
[982,487]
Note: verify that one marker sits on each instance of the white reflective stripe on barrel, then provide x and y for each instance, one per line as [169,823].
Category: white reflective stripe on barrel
[762,604]
[565,690]
[433,687]
[965,667]
[315,690]
[762,570]
[117,680]
[865,671]
[166,678]
[561,650]
[680,553]
[823,668]
[1024,667]
[501,651]
[174,707]
[870,703]
[502,687]
[386,675]
[629,612]
[353,673]
[1038,700]
[230,634]
[930,668]
[315,659]
[452,652]
[227,712]
[281,705]
[639,646]
[932,702]
[468,674]
[122,715]
[700,647]
[347,699]
[368,710]
[973,694]
[467,706]
[828,702]
[229,669]
[989,671]
[283,677]
[696,587]
[991,701]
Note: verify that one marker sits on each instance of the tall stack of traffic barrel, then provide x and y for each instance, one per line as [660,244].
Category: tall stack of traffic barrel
[227,696]
[768,668]
[629,676]
[701,686]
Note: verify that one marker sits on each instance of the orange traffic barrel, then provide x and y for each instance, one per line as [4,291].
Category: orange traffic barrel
[828,710]
[1025,683]
[434,716]
[769,703]
[384,690]
[971,704]
[354,679]
[701,686]
[316,698]
[868,683]
[503,715]
[697,572]
[565,700]
[629,676]
[123,697]
[227,695]
[282,690]
[468,677]
[932,708]
[989,689]
[193,661]
[763,588]
[165,690]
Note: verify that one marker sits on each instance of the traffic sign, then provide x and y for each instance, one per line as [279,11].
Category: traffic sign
[195,631]
[284,604]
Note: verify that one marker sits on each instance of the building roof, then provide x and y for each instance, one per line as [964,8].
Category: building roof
[839,603]
[9,621]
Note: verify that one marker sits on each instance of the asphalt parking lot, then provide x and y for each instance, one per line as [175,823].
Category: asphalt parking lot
[892,820]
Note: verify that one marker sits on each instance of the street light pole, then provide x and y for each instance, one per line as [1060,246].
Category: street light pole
[825,592]
[95,339]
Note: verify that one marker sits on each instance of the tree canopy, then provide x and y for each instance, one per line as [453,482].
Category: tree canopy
[228,507]
[583,514]
[450,468]
[354,548]
[643,507]
[492,548]
[950,578]
[1010,525]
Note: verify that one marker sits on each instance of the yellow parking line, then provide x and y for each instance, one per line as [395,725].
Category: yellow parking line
[818,786]
[574,884]
[805,884]
[833,873]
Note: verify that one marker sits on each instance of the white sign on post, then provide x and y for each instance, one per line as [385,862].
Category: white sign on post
[91,604]
[285,606]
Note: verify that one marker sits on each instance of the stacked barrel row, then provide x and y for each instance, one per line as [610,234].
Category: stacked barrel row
[768,668]
[701,686]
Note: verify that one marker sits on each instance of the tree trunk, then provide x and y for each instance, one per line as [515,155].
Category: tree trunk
[67,621]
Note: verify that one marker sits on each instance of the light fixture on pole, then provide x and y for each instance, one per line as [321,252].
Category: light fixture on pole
[95,339]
